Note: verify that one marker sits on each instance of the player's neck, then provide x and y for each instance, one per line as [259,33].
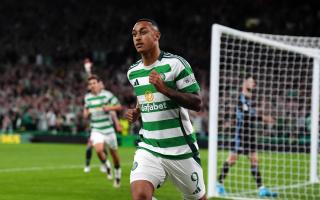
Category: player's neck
[150,57]
[96,92]
[246,92]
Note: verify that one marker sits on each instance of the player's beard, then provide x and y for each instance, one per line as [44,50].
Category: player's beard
[248,93]
[251,92]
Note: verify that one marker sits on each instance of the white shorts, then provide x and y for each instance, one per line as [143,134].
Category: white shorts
[110,140]
[186,174]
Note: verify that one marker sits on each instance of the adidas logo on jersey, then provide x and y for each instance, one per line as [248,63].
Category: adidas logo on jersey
[136,82]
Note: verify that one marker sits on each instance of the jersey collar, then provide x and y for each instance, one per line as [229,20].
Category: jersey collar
[161,55]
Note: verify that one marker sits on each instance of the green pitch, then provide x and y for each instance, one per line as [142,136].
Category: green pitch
[55,171]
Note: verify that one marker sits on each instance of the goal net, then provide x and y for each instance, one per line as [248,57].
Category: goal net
[286,72]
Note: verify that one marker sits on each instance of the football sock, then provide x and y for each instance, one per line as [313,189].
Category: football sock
[256,174]
[224,172]
[88,155]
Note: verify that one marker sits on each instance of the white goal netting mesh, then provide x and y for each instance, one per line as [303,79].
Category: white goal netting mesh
[283,91]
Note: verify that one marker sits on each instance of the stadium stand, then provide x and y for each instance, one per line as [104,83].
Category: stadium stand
[43,44]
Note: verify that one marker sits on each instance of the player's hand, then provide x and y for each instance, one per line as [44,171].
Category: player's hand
[85,113]
[133,114]
[156,80]
[269,119]
[118,127]
[87,64]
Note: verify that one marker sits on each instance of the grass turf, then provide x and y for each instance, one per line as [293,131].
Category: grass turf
[55,171]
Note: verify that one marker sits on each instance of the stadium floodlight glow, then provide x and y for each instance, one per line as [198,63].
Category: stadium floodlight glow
[287,72]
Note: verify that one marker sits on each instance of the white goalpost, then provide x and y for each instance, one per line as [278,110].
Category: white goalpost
[286,70]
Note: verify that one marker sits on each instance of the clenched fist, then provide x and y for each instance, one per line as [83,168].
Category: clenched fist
[156,80]
[133,114]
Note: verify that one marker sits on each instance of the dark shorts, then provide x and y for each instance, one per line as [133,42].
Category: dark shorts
[244,144]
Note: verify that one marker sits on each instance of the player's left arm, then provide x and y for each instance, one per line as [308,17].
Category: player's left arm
[85,111]
[115,120]
[265,117]
[117,107]
[113,105]
[268,119]
[191,101]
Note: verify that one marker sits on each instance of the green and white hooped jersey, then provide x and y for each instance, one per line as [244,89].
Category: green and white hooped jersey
[101,121]
[166,128]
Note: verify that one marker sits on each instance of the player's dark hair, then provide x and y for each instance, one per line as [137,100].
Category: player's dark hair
[249,75]
[154,23]
[94,77]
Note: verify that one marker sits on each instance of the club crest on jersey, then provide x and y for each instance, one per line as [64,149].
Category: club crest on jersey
[149,96]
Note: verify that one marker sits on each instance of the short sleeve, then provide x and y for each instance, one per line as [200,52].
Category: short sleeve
[185,79]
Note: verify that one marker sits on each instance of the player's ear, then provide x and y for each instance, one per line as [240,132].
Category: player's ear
[157,35]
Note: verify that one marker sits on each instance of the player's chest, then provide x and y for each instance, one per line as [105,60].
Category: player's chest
[247,108]
[97,101]
[147,92]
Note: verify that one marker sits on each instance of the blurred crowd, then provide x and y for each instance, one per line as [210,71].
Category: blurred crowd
[37,97]
[43,44]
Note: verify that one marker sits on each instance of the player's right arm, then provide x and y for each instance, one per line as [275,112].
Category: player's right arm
[133,114]
[86,113]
